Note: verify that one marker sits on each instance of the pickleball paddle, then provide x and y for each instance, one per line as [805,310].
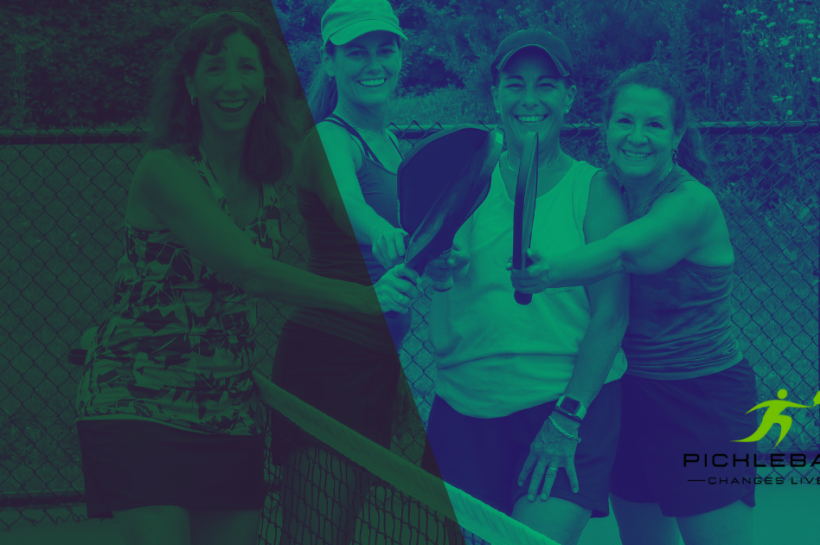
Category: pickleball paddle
[526,193]
[441,182]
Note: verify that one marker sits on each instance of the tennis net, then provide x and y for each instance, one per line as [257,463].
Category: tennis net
[330,485]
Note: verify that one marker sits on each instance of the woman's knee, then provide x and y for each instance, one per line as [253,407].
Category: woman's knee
[558,519]
[154,524]
[730,525]
[643,523]
[219,526]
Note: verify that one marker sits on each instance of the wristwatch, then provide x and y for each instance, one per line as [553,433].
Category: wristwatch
[571,408]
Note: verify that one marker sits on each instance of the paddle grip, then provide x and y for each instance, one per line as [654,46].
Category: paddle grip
[524,298]
[392,314]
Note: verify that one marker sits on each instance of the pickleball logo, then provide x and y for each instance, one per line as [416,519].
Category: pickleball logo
[772,416]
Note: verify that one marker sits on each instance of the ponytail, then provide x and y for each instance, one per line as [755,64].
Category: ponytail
[322,93]
[692,156]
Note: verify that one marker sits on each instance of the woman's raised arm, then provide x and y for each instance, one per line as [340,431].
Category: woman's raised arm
[174,192]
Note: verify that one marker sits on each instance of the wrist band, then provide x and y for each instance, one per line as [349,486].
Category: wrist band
[564,433]
[566,414]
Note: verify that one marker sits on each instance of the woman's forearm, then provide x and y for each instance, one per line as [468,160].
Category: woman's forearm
[587,265]
[595,357]
[367,224]
[272,279]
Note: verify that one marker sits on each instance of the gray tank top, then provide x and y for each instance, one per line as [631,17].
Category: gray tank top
[680,318]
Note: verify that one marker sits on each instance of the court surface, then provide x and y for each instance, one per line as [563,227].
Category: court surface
[784,514]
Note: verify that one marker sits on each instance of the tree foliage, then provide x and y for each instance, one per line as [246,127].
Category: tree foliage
[87,63]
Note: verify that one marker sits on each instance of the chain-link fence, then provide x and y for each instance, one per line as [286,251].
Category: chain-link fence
[63,203]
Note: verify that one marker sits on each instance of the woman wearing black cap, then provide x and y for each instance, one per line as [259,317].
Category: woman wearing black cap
[525,391]
[688,387]
[168,414]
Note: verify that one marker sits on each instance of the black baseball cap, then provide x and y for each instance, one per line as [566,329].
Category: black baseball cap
[534,37]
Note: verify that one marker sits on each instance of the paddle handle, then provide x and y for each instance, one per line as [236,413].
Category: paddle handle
[524,298]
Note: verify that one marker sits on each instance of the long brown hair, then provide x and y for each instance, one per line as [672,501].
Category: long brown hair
[267,156]
[322,95]
[691,153]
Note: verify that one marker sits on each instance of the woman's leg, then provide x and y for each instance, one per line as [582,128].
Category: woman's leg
[322,497]
[556,518]
[564,515]
[154,525]
[225,526]
[323,493]
[730,525]
[644,524]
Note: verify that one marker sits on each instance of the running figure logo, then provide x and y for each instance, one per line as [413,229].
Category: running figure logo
[773,416]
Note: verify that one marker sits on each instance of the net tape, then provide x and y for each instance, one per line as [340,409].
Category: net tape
[471,514]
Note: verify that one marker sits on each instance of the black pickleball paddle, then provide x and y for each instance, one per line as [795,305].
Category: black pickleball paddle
[441,182]
[526,193]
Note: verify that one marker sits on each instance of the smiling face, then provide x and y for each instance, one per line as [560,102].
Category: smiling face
[228,85]
[366,69]
[531,96]
[640,134]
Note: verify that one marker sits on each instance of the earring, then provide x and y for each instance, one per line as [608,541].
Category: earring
[193,101]
[675,156]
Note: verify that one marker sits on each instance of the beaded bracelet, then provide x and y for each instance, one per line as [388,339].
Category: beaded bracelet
[564,433]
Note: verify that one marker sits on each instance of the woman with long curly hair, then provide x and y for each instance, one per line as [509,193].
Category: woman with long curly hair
[169,417]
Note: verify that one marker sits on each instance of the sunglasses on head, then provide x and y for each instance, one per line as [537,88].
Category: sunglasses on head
[212,17]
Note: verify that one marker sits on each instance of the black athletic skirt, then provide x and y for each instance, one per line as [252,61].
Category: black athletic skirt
[665,420]
[347,381]
[133,463]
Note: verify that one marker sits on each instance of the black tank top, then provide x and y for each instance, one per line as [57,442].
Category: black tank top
[335,254]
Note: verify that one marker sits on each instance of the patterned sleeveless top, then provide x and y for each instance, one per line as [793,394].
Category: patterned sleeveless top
[178,345]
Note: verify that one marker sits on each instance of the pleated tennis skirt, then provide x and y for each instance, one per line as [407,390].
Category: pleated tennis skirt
[131,463]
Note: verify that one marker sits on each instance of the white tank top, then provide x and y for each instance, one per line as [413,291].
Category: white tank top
[495,357]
